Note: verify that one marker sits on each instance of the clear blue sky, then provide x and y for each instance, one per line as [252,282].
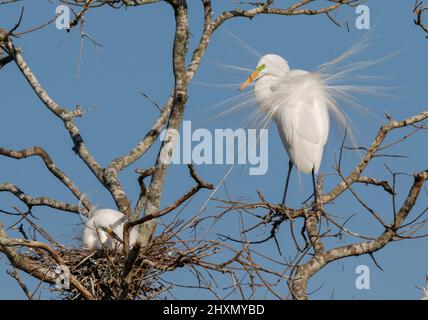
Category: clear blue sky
[136,56]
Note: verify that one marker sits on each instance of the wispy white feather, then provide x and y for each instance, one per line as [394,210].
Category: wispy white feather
[335,76]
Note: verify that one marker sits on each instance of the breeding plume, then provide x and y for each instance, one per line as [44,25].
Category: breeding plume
[104,230]
[299,103]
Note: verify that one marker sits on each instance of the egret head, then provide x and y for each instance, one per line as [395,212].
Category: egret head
[269,65]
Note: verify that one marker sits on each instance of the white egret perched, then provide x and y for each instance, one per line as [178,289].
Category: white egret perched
[299,102]
[104,230]
[302,104]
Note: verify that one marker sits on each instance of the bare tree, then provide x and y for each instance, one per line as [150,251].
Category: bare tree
[141,272]
[419,10]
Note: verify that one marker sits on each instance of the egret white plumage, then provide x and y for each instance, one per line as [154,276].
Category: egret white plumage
[303,104]
[104,230]
[299,102]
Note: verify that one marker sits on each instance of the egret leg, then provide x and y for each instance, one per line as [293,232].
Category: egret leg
[290,167]
[314,185]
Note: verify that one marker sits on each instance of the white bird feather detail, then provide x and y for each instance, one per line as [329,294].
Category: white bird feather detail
[298,103]
[104,230]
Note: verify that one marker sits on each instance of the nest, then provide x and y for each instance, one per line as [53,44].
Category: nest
[77,273]
[101,272]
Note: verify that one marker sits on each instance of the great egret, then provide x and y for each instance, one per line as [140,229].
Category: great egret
[104,230]
[298,101]
[302,103]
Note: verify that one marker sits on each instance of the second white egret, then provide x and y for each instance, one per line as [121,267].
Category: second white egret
[104,230]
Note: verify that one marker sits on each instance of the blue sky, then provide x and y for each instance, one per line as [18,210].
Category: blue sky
[136,56]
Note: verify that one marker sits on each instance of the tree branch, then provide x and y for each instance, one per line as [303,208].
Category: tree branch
[50,165]
[41,201]
[174,121]
[25,263]
[362,165]
[305,271]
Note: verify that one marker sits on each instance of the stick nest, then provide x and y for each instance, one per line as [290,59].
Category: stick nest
[100,272]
